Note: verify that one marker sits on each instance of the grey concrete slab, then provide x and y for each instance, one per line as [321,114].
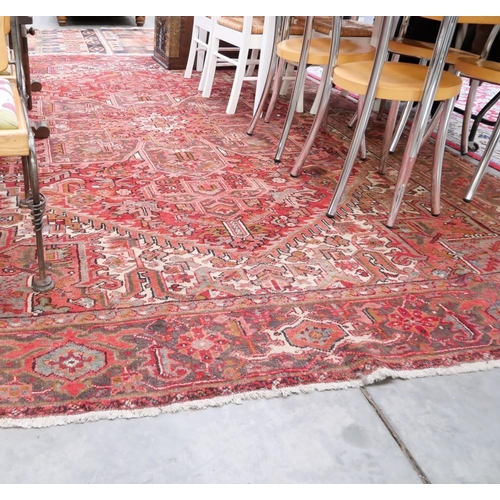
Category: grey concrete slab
[450,424]
[329,437]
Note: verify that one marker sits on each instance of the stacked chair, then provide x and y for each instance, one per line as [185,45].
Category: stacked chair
[17,139]
[301,52]
[480,70]
[394,81]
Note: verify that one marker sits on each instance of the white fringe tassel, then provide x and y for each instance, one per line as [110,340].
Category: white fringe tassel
[376,376]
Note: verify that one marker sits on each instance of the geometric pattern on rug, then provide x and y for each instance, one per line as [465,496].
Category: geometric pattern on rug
[188,266]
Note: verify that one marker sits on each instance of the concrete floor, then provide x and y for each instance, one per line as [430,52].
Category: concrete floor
[441,429]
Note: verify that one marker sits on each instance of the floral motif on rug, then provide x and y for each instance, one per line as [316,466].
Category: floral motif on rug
[190,268]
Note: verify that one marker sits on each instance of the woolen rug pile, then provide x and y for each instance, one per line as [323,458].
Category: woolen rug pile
[193,271]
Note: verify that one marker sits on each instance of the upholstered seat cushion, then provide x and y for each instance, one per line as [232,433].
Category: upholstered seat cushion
[8,116]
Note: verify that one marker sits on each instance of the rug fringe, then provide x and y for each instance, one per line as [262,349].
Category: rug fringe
[376,376]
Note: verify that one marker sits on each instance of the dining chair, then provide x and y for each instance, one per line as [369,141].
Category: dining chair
[480,70]
[421,51]
[317,52]
[202,26]
[200,45]
[246,34]
[397,82]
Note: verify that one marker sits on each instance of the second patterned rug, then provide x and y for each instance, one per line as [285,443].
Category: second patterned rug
[111,41]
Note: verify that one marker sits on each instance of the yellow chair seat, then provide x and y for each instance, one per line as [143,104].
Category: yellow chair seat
[479,69]
[470,19]
[349,51]
[398,81]
[423,50]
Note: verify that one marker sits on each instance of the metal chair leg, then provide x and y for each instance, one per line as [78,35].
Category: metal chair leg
[26,177]
[483,164]
[418,128]
[389,130]
[278,79]
[437,167]
[378,64]
[36,203]
[381,109]
[278,33]
[362,146]
[325,97]
[464,144]
[297,88]
[401,126]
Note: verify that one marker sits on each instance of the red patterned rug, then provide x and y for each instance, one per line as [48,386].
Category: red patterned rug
[192,271]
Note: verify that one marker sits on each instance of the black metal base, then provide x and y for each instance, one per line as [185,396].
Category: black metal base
[43,285]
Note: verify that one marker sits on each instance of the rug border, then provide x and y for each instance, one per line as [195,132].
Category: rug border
[376,376]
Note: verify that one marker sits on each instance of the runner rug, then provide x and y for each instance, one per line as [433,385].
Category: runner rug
[111,41]
[192,271]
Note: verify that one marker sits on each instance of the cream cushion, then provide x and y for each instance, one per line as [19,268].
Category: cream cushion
[8,117]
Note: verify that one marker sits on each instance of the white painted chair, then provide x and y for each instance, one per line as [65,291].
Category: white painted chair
[202,26]
[246,34]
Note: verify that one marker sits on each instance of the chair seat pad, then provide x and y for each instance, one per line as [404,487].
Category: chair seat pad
[479,69]
[319,50]
[236,23]
[423,50]
[398,81]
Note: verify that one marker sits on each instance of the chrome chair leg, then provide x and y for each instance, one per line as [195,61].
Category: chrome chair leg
[362,146]
[278,79]
[418,128]
[437,167]
[389,130]
[401,126]
[297,88]
[325,97]
[483,164]
[464,144]
[378,64]
[279,32]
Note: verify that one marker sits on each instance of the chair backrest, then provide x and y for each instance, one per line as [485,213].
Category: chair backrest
[4,58]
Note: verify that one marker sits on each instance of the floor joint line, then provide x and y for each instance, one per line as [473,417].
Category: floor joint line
[406,452]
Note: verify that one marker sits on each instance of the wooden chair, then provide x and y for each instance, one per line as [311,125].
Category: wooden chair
[202,26]
[246,34]
[200,45]
[16,139]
